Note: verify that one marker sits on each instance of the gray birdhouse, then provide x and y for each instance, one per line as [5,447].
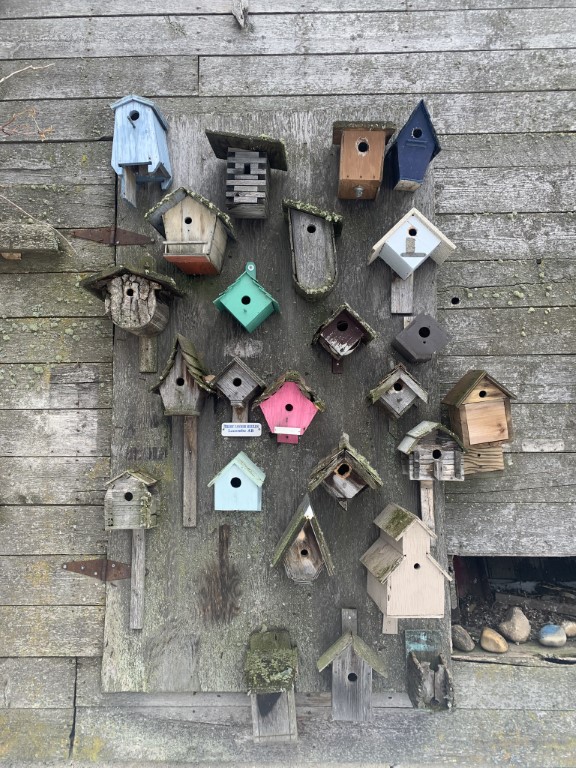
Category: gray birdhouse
[421,339]
[433,452]
[182,385]
[397,392]
[239,384]
[362,147]
[131,501]
[342,333]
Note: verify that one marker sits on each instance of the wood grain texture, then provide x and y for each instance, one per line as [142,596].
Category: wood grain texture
[77,163]
[536,150]
[61,205]
[37,683]
[45,340]
[32,735]
[55,433]
[49,295]
[53,385]
[70,530]
[41,580]
[51,630]
[75,256]
[53,480]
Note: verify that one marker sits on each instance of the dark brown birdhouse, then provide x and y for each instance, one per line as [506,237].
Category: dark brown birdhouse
[397,392]
[182,385]
[131,502]
[342,333]
[239,384]
[421,339]
[362,147]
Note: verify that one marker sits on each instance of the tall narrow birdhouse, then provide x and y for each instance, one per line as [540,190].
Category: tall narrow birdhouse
[248,163]
[139,146]
[421,339]
[247,300]
[312,244]
[404,580]
[344,474]
[397,392]
[238,486]
[303,548]
[196,232]
[131,501]
[26,238]
[412,150]
[362,146]
[289,406]
[182,384]
[342,333]
[239,384]
[432,452]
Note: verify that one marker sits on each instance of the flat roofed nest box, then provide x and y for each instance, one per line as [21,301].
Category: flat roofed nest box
[362,147]
[238,486]
[412,150]
[183,383]
[26,237]
[343,332]
[130,501]
[289,405]
[247,301]
[433,452]
[271,663]
[397,392]
[421,339]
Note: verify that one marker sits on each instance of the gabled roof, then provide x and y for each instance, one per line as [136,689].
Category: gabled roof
[194,365]
[423,220]
[423,110]
[141,100]
[394,520]
[304,514]
[463,388]
[249,271]
[220,141]
[96,283]
[358,646]
[369,332]
[399,372]
[335,218]
[244,463]
[417,433]
[327,465]
[143,477]
[154,215]
[241,364]
[297,379]
[363,125]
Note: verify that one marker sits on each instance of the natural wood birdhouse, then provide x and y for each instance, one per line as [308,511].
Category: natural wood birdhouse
[342,333]
[412,150]
[432,452]
[421,339]
[344,474]
[247,300]
[26,238]
[130,501]
[289,406]
[398,392]
[182,384]
[238,486]
[196,232]
[239,384]
[362,146]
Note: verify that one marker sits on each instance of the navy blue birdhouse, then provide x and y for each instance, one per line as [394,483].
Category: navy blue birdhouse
[139,147]
[412,151]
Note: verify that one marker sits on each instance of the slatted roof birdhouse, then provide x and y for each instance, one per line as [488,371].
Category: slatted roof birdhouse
[344,474]
[238,486]
[289,406]
[248,163]
[182,384]
[432,452]
[247,300]
[343,333]
[397,392]
[303,548]
[362,146]
[239,384]
[412,150]
[421,339]
[139,146]
[196,232]
[404,580]
[131,501]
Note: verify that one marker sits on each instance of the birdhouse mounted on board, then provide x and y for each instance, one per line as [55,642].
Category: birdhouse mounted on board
[342,333]
[247,300]
[421,339]
[362,146]
[433,452]
[196,232]
[412,150]
[239,384]
[344,474]
[398,392]
[248,163]
[139,146]
[238,486]
[182,385]
[131,501]
[289,406]
[26,238]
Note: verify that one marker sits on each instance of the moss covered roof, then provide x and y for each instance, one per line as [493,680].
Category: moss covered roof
[194,365]
[358,646]
[335,218]
[154,215]
[344,452]
[96,284]
[399,373]
[422,430]
[297,379]
[271,663]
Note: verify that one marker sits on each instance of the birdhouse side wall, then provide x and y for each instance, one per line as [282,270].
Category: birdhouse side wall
[231,497]
[181,395]
[300,414]
[378,592]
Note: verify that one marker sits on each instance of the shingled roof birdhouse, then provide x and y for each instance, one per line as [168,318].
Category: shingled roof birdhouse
[404,580]
[433,452]
[239,384]
[196,232]
[421,339]
[139,146]
[362,146]
[303,548]
[238,486]
[397,392]
[412,150]
[344,474]
[248,163]
[247,300]
[342,333]
[130,501]
[182,384]
[289,406]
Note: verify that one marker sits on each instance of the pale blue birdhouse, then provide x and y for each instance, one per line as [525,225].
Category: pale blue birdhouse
[238,487]
[139,147]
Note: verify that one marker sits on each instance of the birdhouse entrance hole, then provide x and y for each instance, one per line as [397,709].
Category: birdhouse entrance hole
[304,552]
[416,565]
[424,332]
[235,482]
[455,300]
[188,220]
[412,231]
[343,470]
[179,381]
[128,496]
[289,407]
[352,677]
[342,326]
[130,292]
[134,115]
[416,133]
[311,228]
[436,453]
[398,386]
[237,382]
[362,146]
[482,393]
[246,299]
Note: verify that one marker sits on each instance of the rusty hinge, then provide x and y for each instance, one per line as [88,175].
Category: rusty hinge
[112,236]
[105,570]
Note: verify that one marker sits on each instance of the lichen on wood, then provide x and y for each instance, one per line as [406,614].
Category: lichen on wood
[271,663]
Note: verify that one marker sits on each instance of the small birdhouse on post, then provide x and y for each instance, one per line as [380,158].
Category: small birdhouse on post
[344,474]
[313,248]
[342,333]
[247,301]
[421,339]
[196,232]
[303,548]
[398,392]
[248,163]
[26,238]
[352,664]
[139,146]
[289,406]
[238,486]
[412,150]
[362,147]
[239,384]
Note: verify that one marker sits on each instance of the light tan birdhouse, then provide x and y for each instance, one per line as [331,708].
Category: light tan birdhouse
[362,146]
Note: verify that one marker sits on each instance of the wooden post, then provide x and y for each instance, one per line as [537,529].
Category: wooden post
[239,414]
[137,579]
[427,503]
[401,295]
[189,471]
[148,354]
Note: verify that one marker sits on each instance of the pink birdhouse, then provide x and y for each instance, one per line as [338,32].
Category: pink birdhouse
[289,406]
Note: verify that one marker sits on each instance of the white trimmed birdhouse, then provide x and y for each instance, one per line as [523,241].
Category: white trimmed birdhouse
[289,405]
[239,384]
[131,501]
[238,486]
[343,333]
[362,147]
[398,392]
[182,384]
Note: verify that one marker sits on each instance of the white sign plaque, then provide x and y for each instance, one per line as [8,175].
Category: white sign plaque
[233,429]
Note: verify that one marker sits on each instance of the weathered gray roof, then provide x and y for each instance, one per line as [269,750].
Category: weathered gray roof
[369,332]
[336,219]
[345,451]
[425,428]
[359,647]
[194,365]
[221,141]
[304,514]
[399,372]
[245,463]
[143,477]
[97,283]
[462,389]
[154,215]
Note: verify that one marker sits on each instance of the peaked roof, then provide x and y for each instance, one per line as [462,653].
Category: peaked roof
[304,514]
[142,476]
[194,365]
[297,379]
[96,283]
[363,125]
[328,464]
[335,218]
[394,520]
[154,215]
[414,435]
[358,646]
[377,247]
[399,372]
[241,364]
[368,330]
[420,110]
[464,387]
[221,141]
[245,463]
[249,271]
[141,100]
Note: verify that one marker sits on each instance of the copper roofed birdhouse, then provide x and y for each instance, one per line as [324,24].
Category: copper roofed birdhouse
[130,501]
[421,339]
[412,150]
[342,333]
[289,406]
[182,384]
[239,384]
[397,392]
[247,301]
[362,146]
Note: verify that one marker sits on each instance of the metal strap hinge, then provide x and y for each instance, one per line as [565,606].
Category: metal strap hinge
[103,569]
[112,236]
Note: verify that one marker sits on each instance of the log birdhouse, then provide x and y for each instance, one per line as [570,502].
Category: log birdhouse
[398,392]
[404,580]
[26,238]
[362,147]
[303,548]
[139,146]
[247,300]
[313,248]
[412,150]
[344,474]
[196,232]
[239,384]
[248,163]
[342,333]
[238,486]
[421,339]
[289,406]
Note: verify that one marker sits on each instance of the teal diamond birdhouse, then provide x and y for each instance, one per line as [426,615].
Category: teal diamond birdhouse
[247,300]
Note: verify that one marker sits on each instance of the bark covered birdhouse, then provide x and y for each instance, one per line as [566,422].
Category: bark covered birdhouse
[412,150]
[344,474]
[397,392]
[248,163]
[247,300]
[421,339]
[182,384]
[131,501]
[238,486]
[303,548]
[196,232]
[362,146]
[289,406]
[342,333]
[239,384]
[139,146]
[432,452]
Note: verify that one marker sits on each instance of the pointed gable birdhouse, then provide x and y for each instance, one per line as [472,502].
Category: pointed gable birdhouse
[303,548]
[344,474]
[433,452]
[196,232]
[342,333]
[239,384]
[289,406]
[362,146]
[248,163]
[139,146]
[404,580]
[397,392]
[182,385]
[247,300]
[412,150]
[130,501]
[421,339]
[238,486]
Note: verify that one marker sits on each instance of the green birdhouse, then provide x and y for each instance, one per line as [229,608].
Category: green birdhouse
[247,301]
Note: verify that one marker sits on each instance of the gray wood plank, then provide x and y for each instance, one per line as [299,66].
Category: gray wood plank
[41,580]
[75,256]
[53,385]
[37,683]
[54,163]
[70,530]
[507,151]
[54,480]
[35,734]
[51,630]
[548,427]
[61,340]
[55,432]
[90,205]
[48,295]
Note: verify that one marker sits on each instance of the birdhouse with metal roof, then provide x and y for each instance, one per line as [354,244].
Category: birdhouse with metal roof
[247,300]
[342,333]
[239,384]
[139,146]
[344,474]
[397,392]
[412,150]
[182,384]
[289,406]
[421,339]
[362,146]
[238,486]
[196,232]
[248,163]
[433,452]
[130,501]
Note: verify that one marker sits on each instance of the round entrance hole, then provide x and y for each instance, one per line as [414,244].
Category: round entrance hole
[289,407]
[398,387]
[455,300]
[343,469]
[134,115]
[363,146]
[235,482]
[236,381]
[188,220]
[342,325]
[304,552]
[436,453]
[482,393]
[179,381]
[129,292]
[245,299]
[352,676]
[412,231]
[128,496]
[416,565]
[311,228]
[424,332]
[417,133]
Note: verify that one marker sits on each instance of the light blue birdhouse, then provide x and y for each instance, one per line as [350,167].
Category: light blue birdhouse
[139,147]
[247,300]
[238,487]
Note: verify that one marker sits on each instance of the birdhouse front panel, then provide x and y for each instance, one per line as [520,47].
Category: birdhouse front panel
[195,238]
[133,304]
[129,504]
[485,422]
[344,483]
[181,395]
[247,175]
[303,560]
[421,339]
[417,586]
[351,687]
[361,163]
[398,398]
[440,459]
[247,301]
[341,336]
[288,413]
[237,385]
[235,491]
[409,246]
[414,148]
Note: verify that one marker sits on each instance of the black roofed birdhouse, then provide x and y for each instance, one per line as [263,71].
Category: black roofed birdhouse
[130,501]
[362,146]
[397,392]
[289,405]
[433,452]
[182,384]
[196,232]
[344,474]
[412,150]
[421,339]
[342,333]
[247,301]
[239,384]
[248,163]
